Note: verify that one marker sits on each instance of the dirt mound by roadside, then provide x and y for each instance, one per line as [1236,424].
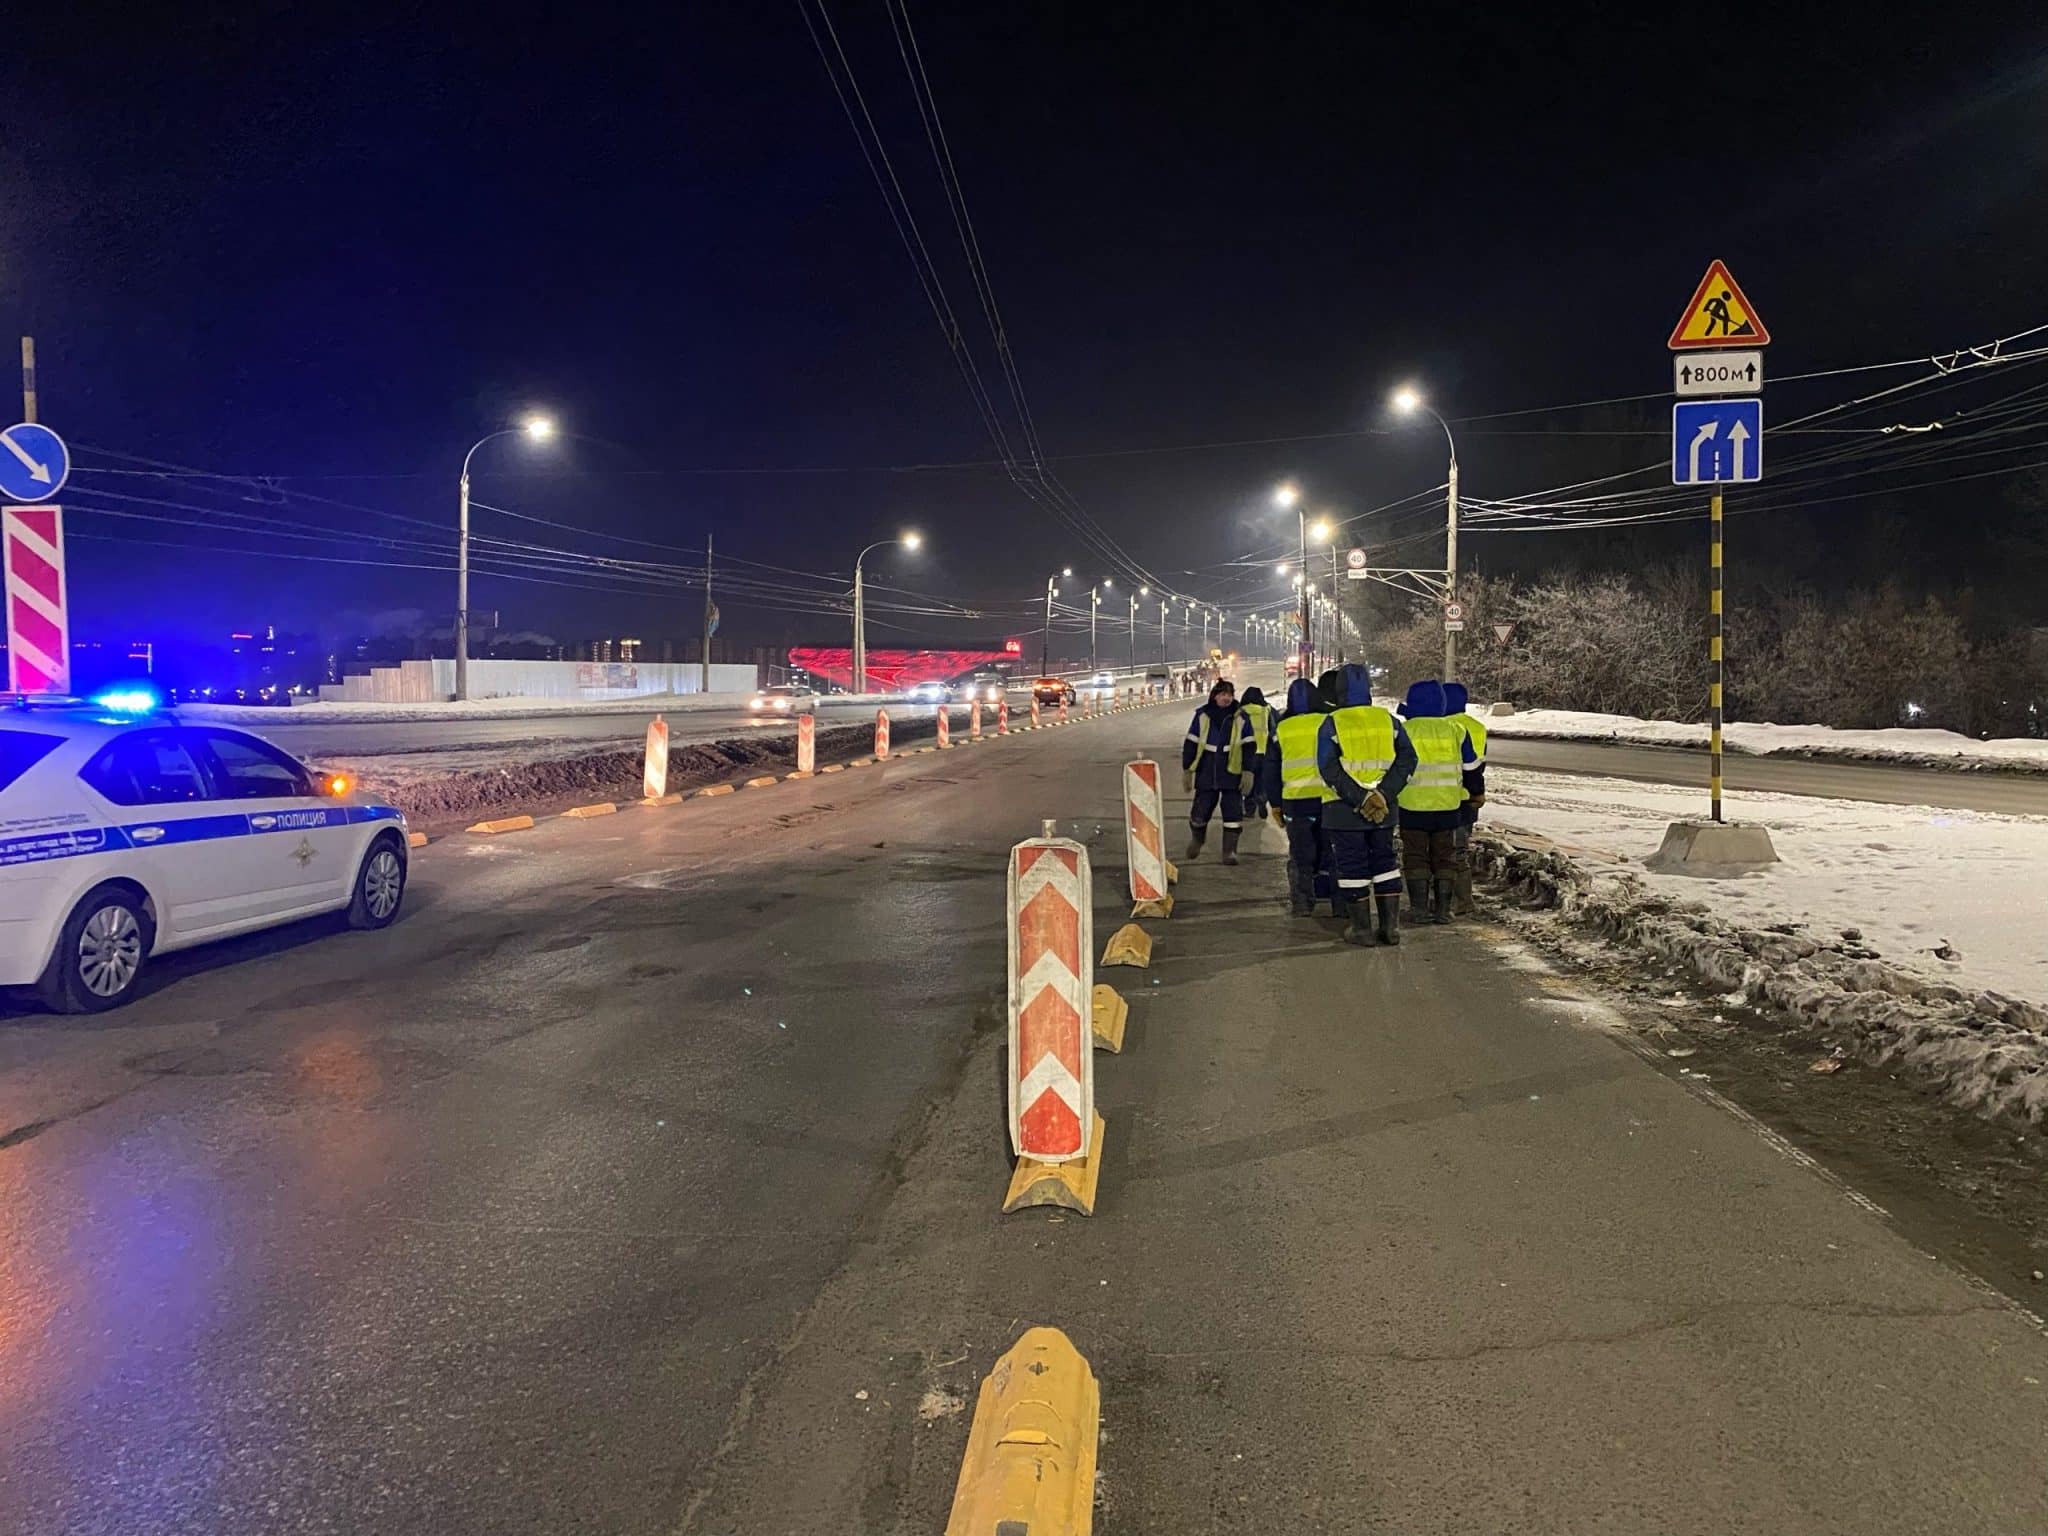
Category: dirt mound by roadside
[1987,1051]
[439,801]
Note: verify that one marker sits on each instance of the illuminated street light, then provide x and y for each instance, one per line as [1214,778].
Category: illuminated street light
[1406,401]
[1286,494]
[536,428]
[909,539]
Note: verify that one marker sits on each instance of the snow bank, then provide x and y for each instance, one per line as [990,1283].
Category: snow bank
[1930,748]
[255,716]
[1810,937]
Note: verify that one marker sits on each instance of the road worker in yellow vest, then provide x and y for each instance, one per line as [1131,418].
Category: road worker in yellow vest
[1294,787]
[1364,755]
[1455,700]
[1215,764]
[1433,800]
[1261,715]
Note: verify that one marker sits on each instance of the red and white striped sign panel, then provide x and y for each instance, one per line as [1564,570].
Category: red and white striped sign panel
[974,719]
[1003,718]
[1052,964]
[38,613]
[945,723]
[1144,831]
[881,735]
[806,743]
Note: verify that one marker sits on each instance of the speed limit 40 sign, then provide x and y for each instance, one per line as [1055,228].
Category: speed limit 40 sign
[1454,615]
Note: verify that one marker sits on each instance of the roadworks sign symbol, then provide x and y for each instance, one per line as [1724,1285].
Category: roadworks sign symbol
[1720,315]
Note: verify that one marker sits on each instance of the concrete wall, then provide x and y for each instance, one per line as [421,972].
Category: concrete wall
[427,682]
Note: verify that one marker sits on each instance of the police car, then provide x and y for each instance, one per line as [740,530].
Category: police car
[125,835]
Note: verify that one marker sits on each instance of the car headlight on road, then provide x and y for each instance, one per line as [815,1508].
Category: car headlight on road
[782,703]
[753,703]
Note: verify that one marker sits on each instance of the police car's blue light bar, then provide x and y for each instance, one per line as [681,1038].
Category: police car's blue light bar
[129,701]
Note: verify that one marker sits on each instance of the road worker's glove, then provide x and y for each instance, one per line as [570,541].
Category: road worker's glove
[1278,819]
[1374,807]
[1476,801]
[1244,783]
[1187,780]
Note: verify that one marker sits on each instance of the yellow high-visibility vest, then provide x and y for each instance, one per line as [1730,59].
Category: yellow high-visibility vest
[1365,742]
[1299,777]
[1261,717]
[1199,735]
[1438,782]
[1477,731]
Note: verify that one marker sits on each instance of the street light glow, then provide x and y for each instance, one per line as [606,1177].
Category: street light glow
[1319,530]
[1282,568]
[1107,582]
[912,538]
[1407,400]
[1144,591]
[1066,570]
[1286,494]
[538,427]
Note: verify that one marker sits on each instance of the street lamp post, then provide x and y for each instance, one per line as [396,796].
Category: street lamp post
[536,429]
[1045,635]
[1141,592]
[909,540]
[1094,607]
[1407,401]
[1163,606]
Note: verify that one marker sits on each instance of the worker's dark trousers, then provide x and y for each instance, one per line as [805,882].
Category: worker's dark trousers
[1364,858]
[1305,852]
[1205,806]
[1427,853]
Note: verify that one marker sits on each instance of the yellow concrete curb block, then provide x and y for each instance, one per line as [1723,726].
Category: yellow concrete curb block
[1107,1015]
[656,801]
[798,773]
[1070,1186]
[1129,945]
[415,839]
[1030,1461]
[503,824]
[1159,907]
[765,781]
[833,768]
[1172,873]
[714,789]
[584,812]
[860,762]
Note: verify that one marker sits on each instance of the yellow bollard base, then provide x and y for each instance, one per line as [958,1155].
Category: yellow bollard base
[714,789]
[765,781]
[1163,907]
[1129,945]
[1071,1186]
[503,824]
[1107,1015]
[1172,873]
[1030,1460]
[585,812]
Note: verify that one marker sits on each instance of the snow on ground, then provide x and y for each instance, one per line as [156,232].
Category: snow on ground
[253,716]
[1913,881]
[1937,748]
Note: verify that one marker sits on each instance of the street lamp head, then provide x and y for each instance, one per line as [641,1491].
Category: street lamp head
[1144,591]
[1286,494]
[1319,530]
[1107,582]
[912,538]
[538,428]
[1282,568]
[1406,400]
[1066,570]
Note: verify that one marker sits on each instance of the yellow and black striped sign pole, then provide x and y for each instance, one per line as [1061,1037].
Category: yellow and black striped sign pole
[1717,674]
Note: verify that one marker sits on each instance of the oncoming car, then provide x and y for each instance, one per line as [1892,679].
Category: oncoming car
[983,687]
[930,693]
[1053,690]
[122,838]
[783,699]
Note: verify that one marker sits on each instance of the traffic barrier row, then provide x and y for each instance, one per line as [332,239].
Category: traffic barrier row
[654,775]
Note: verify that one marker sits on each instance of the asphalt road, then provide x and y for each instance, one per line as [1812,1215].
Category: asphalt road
[2013,794]
[645,1179]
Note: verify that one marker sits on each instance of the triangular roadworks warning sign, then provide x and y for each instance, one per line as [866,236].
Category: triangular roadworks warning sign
[1720,315]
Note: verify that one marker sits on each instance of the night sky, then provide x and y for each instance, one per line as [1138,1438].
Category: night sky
[334,249]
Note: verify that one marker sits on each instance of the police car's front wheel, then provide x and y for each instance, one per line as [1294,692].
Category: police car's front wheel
[99,953]
[380,885]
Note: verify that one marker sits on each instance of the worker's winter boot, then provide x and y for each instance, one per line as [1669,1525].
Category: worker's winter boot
[1446,893]
[1196,837]
[1418,896]
[1465,906]
[1230,837]
[1357,932]
[1390,918]
[1301,890]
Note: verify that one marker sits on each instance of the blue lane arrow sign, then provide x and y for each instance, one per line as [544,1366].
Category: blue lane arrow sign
[34,463]
[1717,441]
